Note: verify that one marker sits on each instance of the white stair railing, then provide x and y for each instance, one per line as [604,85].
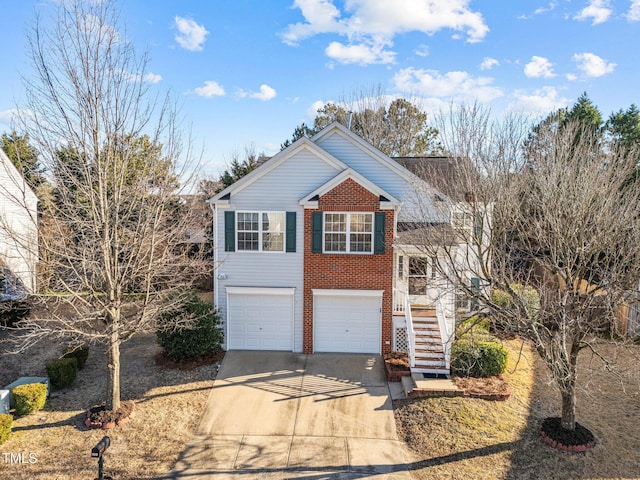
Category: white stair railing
[446,334]
[411,335]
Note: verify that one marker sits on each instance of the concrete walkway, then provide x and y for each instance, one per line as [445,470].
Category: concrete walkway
[282,416]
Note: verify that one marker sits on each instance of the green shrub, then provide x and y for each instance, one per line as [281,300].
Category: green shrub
[474,324]
[528,295]
[80,353]
[62,372]
[29,398]
[478,359]
[6,421]
[203,337]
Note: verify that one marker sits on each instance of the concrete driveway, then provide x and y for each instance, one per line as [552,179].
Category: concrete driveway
[284,415]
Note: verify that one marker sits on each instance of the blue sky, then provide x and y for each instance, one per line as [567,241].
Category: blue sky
[248,71]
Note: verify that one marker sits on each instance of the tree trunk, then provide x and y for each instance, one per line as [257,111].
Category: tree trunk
[568,420]
[113,394]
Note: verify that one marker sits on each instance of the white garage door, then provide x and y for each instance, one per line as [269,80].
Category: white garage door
[260,319]
[347,323]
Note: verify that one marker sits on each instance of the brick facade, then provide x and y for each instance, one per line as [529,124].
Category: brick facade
[348,271]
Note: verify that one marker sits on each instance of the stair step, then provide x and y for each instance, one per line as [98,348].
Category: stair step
[442,371]
[429,355]
[430,364]
[428,339]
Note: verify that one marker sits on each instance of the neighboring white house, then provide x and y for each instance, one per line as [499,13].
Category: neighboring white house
[18,224]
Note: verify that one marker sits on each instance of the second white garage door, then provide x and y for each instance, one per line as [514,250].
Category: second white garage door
[260,319]
[347,322]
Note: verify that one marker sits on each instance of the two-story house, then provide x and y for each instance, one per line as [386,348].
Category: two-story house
[309,256]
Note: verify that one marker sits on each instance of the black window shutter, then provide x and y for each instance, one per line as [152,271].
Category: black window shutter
[230,231]
[316,232]
[291,232]
[478,227]
[378,242]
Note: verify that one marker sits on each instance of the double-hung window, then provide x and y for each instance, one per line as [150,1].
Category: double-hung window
[260,231]
[348,232]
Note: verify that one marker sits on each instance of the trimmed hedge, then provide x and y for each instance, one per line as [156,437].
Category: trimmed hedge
[478,359]
[6,421]
[62,372]
[80,353]
[204,337]
[29,398]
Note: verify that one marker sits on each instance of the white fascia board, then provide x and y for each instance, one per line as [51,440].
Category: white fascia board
[345,292]
[274,162]
[356,177]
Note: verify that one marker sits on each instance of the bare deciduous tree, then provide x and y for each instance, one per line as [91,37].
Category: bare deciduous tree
[553,234]
[115,156]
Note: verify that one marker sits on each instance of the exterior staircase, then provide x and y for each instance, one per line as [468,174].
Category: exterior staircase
[429,351]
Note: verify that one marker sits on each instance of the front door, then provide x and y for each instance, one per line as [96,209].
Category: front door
[421,277]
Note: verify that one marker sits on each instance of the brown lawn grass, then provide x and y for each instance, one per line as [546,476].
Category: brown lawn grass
[460,438]
[168,406]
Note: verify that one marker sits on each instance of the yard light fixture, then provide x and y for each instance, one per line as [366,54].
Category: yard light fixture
[97,452]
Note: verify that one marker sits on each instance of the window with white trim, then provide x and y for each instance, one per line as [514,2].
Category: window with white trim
[260,231]
[348,232]
[462,222]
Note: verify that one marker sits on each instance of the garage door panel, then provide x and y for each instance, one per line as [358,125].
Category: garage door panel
[347,324]
[260,322]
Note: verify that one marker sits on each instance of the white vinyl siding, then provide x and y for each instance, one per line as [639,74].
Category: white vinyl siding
[279,190]
[388,179]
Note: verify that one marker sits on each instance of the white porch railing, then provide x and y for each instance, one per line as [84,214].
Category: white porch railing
[401,304]
[445,332]
[399,300]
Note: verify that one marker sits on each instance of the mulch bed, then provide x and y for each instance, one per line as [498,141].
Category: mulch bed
[577,441]
[100,417]
[491,388]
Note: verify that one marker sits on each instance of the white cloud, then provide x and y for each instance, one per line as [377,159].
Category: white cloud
[191,36]
[592,65]
[210,89]
[488,63]
[147,78]
[539,67]
[633,15]
[423,50]
[374,23]
[359,54]
[312,111]
[540,10]
[432,83]
[152,77]
[265,94]
[7,117]
[598,10]
[571,77]
[540,101]
[548,8]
